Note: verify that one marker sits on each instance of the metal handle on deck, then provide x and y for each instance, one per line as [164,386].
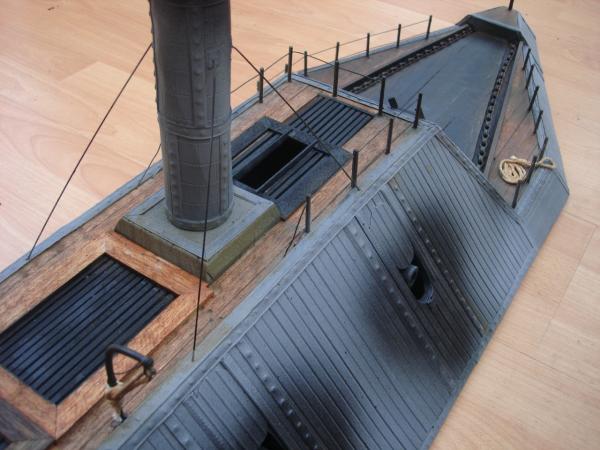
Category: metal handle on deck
[146,361]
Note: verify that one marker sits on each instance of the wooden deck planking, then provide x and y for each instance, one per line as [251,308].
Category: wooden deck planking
[264,256]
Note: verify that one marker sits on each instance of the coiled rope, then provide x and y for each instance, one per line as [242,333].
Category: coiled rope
[514,170]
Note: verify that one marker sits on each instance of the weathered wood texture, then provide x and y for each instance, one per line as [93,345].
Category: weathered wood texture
[515,134]
[19,431]
[28,287]
[250,269]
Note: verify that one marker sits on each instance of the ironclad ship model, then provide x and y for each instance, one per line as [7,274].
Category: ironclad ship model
[319,268]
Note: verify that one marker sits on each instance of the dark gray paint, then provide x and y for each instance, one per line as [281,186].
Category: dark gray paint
[303,175]
[192,58]
[456,83]
[252,390]
[333,349]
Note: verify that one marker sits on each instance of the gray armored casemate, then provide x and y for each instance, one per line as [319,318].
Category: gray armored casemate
[192,53]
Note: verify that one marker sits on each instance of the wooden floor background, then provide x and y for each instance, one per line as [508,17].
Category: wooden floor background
[62,62]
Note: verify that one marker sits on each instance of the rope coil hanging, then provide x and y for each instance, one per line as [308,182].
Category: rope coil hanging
[514,170]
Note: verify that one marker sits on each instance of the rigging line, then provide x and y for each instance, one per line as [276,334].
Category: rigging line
[325,50]
[257,76]
[379,33]
[378,132]
[374,34]
[310,130]
[87,147]
[403,27]
[148,166]
[304,208]
[534,59]
[273,63]
[210,160]
[415,23]
[295,231]
[513,132]
[243,84]
[341,68]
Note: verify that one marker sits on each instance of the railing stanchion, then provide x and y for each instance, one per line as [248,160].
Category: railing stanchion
[531,169]
[516,196]
[307,217]
[418,110]
[290,58]
[261,84]
[538,121]
[398,35]
[381,97]
[529,78]
[388,146]
[428,27]
[337,51]
[354,175]
[305,63]
[527,58]
[533,97]
[336,72]
[368,44]
[543,150]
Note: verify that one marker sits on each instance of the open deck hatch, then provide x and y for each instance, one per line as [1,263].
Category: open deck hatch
[284,162]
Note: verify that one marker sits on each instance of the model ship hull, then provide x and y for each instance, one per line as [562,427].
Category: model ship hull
[329,344]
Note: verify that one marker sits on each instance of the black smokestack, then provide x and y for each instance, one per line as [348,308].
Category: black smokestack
[192,46]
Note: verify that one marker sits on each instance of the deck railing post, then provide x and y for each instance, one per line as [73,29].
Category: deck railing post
[533,97]
[336,72]
[398,35]
[307,217]
[381,97]
[418,110]
[531,169]
[337,51]
[354,175]
[529,78]
[516,196]
[428,27]
[511,4]
[261,84]
[388,145]
[368,44]
[543,150]
[305,63]
[527,58]
[290,58]
[538,121]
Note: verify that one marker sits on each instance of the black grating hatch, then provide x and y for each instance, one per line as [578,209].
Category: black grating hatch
[61,342]
[333,121]
[284,162]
